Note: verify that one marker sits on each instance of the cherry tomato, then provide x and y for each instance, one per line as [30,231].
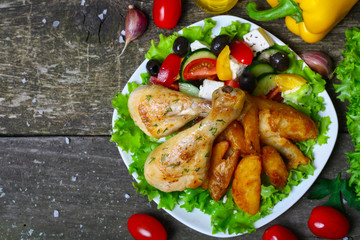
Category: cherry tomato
[327,222]
[241,51]
[145,227]
[278,232]
[169,70]
[200,68]
[166,13]
[232,83]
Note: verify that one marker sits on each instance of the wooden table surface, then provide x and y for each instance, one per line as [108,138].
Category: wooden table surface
[60,177]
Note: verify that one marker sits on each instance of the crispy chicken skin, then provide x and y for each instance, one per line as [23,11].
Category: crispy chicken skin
[278,123]
[159,111]
[287,121]
[183,161]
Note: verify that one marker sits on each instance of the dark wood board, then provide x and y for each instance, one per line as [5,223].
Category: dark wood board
[60,177]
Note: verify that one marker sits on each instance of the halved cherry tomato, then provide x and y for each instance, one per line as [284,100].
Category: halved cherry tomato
[169,70]
[278,232]
[327,222]
[200,68]
[146,227]
[241,51]
[166,13]
[232,83]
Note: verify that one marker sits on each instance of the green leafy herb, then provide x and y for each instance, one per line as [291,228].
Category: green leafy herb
[337,189]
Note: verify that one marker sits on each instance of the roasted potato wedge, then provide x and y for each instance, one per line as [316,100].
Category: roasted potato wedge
[218,151]
[246,185]
[274,166]
[234,133]
[221,170]
[250,122]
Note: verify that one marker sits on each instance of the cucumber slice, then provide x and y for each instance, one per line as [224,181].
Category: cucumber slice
[260,68]
[189,89]
[265,84]
[200,53]
[265,55]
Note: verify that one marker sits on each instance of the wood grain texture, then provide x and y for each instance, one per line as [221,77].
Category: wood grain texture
[84,181]
[60,177]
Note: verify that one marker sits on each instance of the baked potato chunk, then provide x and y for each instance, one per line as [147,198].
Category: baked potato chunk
[250,122]
[246,185]
[274,166]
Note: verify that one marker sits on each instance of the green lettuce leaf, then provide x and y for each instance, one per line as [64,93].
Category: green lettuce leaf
[348,72]
[202,34]
[236,30]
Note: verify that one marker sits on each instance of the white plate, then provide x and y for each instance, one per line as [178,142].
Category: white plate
[200,221]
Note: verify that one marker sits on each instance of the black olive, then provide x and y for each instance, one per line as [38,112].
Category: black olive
[247,82]
[280,61]
[181,46]
[153,67]
[218,43]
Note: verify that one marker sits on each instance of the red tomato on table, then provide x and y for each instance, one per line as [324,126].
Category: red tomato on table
[241,51]
[327,222]
[278,232]
[145,227]
[166,13]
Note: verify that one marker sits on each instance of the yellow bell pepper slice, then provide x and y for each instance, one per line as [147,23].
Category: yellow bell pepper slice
[223,69]
[289,82]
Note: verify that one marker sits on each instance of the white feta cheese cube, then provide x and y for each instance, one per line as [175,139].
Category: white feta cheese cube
[236,67]
[197,45]
[258,40]
[208,87]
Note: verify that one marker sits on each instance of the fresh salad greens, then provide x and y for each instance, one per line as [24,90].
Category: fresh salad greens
[348,71]
[226,216]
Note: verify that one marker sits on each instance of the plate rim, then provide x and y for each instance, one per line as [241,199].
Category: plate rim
[298,190]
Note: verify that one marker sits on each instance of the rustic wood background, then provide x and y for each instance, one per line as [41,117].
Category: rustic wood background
[60,177]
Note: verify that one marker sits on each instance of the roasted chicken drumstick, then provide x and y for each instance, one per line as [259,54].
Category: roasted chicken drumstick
[159,111]
[183,160]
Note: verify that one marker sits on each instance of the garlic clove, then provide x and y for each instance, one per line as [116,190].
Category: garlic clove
[319,62]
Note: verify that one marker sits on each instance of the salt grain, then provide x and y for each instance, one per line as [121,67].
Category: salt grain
[121,39]
[123,32]
[105,11]
[31,232]
[73,178]
[24,80]
[56,23]
[41,112]
[44,21]
[67,140]
[82,2]
[56,213]
[34,100]
[28,124]
[101,16]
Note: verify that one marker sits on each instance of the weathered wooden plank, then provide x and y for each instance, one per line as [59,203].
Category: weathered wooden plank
[53,82]
[54,188]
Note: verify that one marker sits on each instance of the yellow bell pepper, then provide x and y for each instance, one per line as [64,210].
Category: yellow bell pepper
[310,19]
[223,69]
[289,82]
